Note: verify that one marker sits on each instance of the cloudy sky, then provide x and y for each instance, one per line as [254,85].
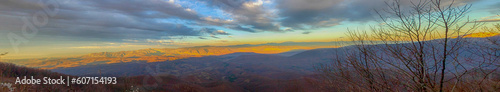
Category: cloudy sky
[45,28]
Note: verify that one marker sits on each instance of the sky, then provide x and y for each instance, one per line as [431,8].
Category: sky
[52,28]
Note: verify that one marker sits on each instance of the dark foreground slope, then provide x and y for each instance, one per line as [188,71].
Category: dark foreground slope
[247,71]
[9,73]
[236,82]
[299,63]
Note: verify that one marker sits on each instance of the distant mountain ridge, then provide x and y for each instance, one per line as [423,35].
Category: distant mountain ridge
[151,55]
[270,65]
[480,35]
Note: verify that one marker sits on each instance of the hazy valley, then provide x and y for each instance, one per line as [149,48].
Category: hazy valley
[149,55]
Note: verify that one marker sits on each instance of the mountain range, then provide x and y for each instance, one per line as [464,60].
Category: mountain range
[151,55]
[289,59]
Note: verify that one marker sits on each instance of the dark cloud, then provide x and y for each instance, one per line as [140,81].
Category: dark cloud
[142,19]
[216,21]
[305,14]
[110,19]
[300,14]
[306,32]
[238,27]
[19,5]
[248,13]
[144,8]
[214,37]
[213,31]
[495,8]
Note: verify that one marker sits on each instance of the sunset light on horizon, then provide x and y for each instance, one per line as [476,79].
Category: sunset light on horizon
[249,45]
[81,27]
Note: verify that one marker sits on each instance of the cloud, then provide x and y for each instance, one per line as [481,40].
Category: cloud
[216,21]
[238,27]
[145,8]
[100,47]
[307,14]
[130,40]
[306,32]
[109,19]
[248,13]
[109,46]
[213,36]
[159,41]
[489,20]
[24,5]
[304,14]
[220,32]
[495,18]
[494,8]
[168,41]
[213,31]
[148,19]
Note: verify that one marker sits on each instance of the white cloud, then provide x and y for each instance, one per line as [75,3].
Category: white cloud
[494,18]
[217,21]
[110,46]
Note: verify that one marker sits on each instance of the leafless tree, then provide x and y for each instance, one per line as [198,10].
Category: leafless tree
[487,53]
[419,47]
[1,71]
